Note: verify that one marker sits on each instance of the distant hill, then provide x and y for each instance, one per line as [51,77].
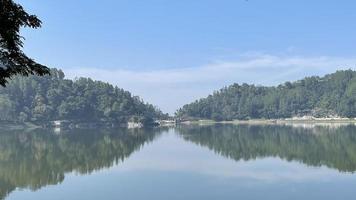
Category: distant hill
[331,95]
[39,99]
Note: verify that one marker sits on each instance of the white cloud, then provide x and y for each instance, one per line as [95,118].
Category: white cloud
[171,88]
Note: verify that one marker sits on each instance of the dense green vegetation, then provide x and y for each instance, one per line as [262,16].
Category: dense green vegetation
[331,95]
[334,147]
[40,99]
[39,158]
[12,59]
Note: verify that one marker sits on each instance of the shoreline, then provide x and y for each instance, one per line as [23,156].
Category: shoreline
[274,121]
[18,125]
[202,122]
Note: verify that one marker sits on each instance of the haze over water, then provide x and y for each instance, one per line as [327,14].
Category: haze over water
[186,162]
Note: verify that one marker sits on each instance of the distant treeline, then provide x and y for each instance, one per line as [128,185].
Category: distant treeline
[331,95]
[38,99]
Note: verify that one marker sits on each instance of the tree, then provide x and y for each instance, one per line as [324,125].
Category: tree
[12,59]
[331,95]
[46,98]
[6,107]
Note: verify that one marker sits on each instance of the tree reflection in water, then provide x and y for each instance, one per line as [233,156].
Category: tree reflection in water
[38,158]
[334,147]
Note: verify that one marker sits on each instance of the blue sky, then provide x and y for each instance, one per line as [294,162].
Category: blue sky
[172,52]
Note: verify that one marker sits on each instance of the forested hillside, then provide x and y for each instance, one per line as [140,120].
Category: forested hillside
[46,98]
[331,95]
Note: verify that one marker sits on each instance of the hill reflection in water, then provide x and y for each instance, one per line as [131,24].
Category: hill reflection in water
[38,158]
[34,159]
[332,146]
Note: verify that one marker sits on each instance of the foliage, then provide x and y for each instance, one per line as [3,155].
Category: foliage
[46,98]
[12,60]
[331,95]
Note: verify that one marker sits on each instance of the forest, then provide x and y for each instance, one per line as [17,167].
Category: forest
[333,95]
[52,97]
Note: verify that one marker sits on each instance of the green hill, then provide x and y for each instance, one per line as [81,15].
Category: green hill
[41,99]
[331,95]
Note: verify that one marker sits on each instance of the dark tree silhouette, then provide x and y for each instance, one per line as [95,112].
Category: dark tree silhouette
[12,59]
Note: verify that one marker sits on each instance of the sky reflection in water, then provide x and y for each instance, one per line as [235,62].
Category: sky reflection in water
[212,162]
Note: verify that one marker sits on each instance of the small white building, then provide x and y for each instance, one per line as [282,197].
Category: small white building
[134,125]
[60,123]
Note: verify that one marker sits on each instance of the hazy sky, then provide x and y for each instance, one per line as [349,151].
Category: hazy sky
[171,52]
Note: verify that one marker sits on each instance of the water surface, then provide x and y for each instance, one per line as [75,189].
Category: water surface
[188,162]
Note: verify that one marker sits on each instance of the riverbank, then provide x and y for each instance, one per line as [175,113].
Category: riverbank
[275,121]
[18,126]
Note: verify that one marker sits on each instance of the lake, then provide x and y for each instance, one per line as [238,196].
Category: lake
[185,162]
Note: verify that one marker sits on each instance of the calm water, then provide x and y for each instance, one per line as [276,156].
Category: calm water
[206,162]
